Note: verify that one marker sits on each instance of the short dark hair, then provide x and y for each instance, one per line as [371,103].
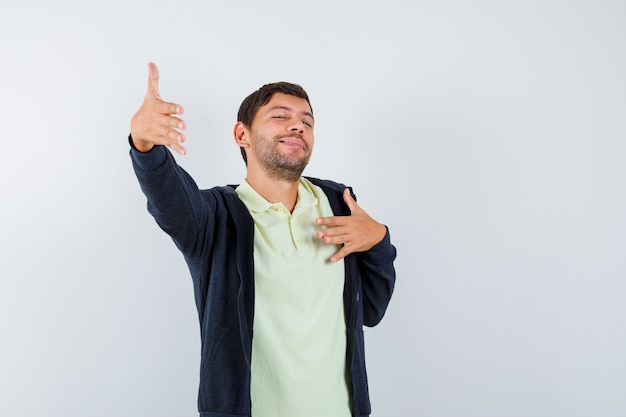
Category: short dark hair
[251,104]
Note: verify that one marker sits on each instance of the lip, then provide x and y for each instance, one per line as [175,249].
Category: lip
[292,141]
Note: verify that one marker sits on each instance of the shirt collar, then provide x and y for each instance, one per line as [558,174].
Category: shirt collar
[256,203]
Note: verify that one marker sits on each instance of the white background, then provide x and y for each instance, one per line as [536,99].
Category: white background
[488,135]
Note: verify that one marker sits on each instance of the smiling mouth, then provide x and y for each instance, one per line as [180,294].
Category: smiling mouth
[292,141]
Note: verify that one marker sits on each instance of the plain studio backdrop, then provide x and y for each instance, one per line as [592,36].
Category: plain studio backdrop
[488,135]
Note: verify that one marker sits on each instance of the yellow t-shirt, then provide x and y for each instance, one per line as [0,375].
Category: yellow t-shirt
[299,331]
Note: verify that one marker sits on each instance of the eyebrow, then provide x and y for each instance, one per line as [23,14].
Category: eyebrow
[306,113]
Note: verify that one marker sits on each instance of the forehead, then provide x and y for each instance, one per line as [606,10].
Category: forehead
[287,102]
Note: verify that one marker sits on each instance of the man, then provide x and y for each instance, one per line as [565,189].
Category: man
[286,269]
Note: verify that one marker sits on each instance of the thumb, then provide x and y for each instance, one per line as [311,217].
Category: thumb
[351,202]
[153,81]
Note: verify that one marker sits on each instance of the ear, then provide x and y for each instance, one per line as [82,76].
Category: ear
[242,135]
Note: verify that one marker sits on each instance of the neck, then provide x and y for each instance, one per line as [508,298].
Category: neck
[274,190]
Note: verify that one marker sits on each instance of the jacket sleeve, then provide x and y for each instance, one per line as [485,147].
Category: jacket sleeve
[375,266]
[173,198]
[378,277]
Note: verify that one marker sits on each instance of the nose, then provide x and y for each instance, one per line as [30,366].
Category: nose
[297,127]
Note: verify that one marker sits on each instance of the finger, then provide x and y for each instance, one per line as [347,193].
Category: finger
[327,221]
[177,123]
[174,140]
[153,81]
[342,253]
[331,240]
[165,107]
[167,134]
[178,148]
[351,202]
[331,232]
[153,92]
[171,122]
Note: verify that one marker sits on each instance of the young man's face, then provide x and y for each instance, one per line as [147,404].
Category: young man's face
[282,136]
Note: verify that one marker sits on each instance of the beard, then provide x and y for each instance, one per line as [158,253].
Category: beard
[285,166]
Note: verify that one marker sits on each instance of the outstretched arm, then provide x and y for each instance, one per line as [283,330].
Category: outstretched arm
[154,123]
[174,199]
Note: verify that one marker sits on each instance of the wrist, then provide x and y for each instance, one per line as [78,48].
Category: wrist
[140,145]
